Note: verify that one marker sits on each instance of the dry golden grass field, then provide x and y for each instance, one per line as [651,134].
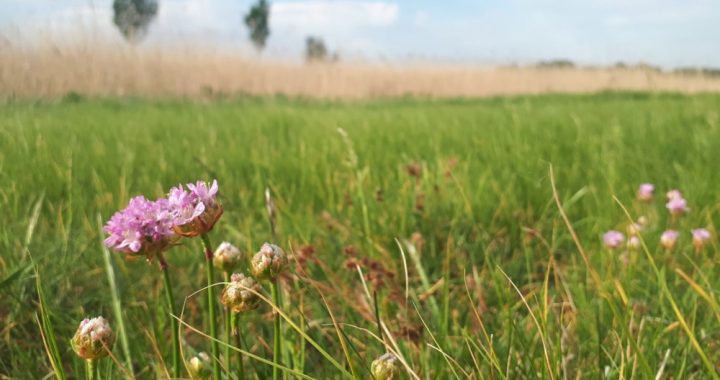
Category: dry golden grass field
[54,71]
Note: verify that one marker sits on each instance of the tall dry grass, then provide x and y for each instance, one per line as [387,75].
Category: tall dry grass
[54,71]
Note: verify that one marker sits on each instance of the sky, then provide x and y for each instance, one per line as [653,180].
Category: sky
[668,33]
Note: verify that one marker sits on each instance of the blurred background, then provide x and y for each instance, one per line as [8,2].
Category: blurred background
[355,48]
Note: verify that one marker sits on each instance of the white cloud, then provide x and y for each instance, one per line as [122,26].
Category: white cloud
[324,15]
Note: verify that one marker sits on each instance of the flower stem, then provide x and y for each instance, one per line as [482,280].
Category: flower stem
[229,316]
[277,335]
[211,304]
[91,369]
[238,344]
[173,322]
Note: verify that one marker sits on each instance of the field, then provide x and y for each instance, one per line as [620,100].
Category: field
[435,217]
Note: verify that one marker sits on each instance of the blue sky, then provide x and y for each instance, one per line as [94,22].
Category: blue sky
[669,33]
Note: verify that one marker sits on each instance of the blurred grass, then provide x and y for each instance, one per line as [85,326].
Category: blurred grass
[480,204]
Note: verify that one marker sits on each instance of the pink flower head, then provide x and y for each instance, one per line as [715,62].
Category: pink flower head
[668,239]
[646,192]
[673,194]
[195,210]
[612,239]
[700,237]
[142,228]
[677,206]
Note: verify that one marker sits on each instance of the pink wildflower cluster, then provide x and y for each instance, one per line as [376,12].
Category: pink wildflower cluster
[676,204]
[148,227]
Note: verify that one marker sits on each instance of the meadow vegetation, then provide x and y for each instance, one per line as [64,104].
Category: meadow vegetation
[425,227]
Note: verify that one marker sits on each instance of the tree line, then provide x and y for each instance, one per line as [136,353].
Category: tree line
[133,19]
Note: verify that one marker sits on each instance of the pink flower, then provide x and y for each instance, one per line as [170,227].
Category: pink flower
[195,210]
[646,192]
[673,194]
[677,206]
[668,239]
[700,237]
[142,228]
[612,239]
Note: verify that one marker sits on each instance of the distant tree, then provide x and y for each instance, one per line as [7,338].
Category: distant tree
[257,22]
[133,17]
[315,49]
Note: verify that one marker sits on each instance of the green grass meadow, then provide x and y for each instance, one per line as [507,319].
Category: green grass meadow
[445,206]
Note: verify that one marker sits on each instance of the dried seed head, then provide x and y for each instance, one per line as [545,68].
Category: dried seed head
[238,295]
[268,262]
[385,367]
[93,339]
[227,257]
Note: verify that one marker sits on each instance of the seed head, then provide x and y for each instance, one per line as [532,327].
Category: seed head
[238,295]
[268,262]
[385,367]
[93,339]
[227,257]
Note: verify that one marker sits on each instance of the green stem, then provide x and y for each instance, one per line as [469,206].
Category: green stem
[91,369]
[277,335]
[174,323]
[229,316]
[238,344]
[211,305]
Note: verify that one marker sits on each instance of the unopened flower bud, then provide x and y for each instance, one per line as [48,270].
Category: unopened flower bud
[93,339]
[385,367]
[227,257]
[633,243]
[199,366]
[241,293]
[634,229]
[668,239]
[268,262]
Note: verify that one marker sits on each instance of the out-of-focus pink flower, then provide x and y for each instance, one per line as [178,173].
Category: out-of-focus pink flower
[668,239]
[700,237]
[633,229]
[677,206]
[612,239]
[645,192]
[195,210]
[673,194]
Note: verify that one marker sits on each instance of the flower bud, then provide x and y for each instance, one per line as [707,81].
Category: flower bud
[268,262]
[668,239]
[633,243]
[227,257]
[238,295]
[199,366]
[93,339]
[385,367]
